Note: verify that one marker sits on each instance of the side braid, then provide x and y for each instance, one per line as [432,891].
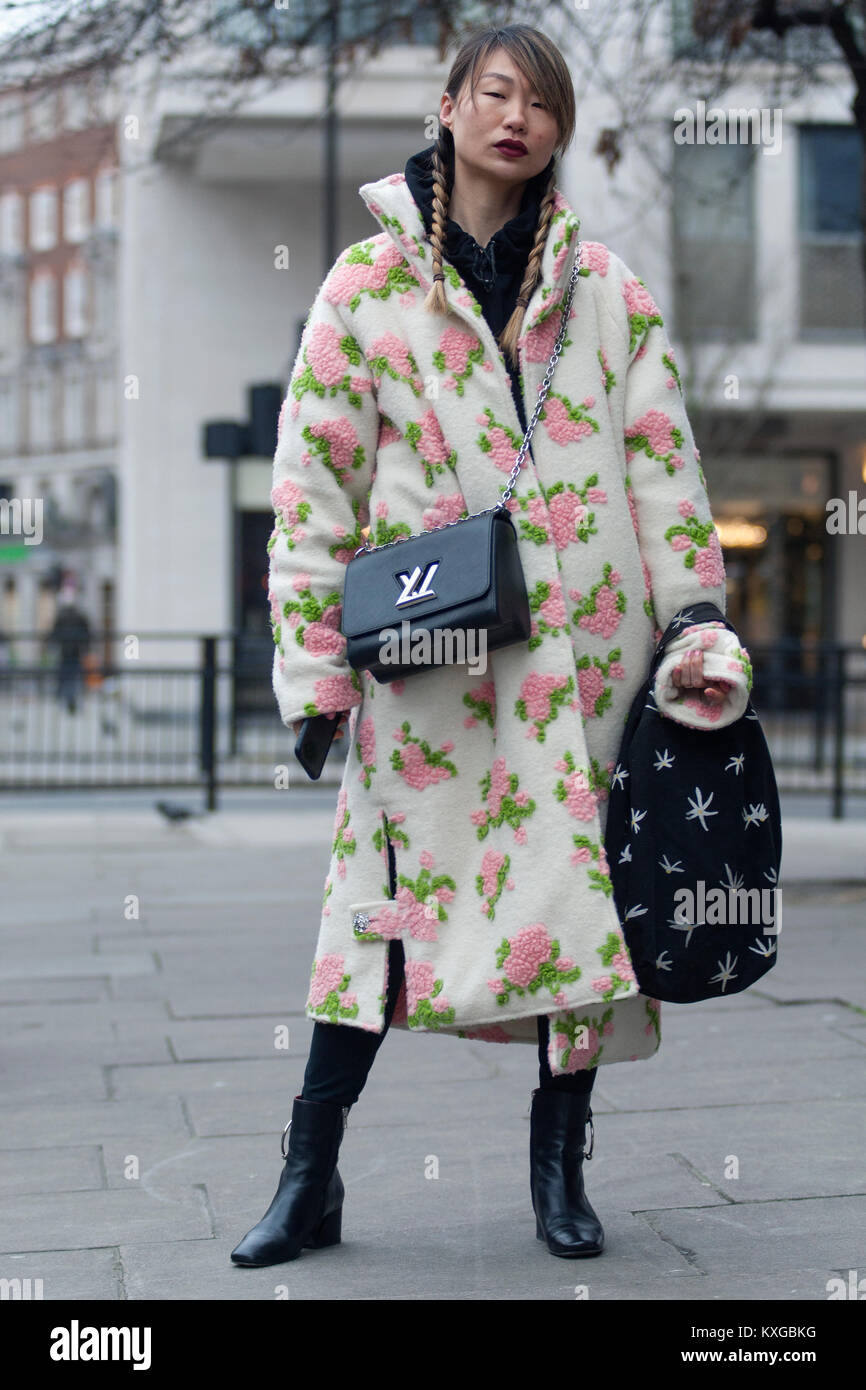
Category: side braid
[510,334]
[437,301]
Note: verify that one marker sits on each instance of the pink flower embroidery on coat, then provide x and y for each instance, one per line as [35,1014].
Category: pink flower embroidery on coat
[547,606]
[417,763]
[446,507]
[492,879]
[391,355]
[529,961]
[374,267]
[655,435]
[600,612]
[482,700]
[499,789]
[576,790]
[498,440]
[698,542]
[429,443]
[541,694]
[426,1005]
[458,352]
[566,423]
[328,987]
[336,444]
[595,256]
[365,744]
[643,313]
[595,695]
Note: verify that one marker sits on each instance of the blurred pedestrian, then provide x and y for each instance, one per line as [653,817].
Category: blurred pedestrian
[71,635]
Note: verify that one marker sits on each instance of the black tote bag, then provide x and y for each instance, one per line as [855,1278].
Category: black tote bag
[694,844]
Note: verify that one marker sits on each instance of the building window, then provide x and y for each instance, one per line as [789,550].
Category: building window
[714,242]
[11,122]
[73,407]
[75,322]
[10,322]
[43,219]
[76,106]
[832,297]
[40,421]
[43,307]
[9,415]
[76,210]
[106,404]
[106,198]
[42,116]
[11,224]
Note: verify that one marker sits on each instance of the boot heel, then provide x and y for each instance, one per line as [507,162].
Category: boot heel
[329,1230]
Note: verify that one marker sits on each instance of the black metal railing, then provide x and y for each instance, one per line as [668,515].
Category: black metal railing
[182,709]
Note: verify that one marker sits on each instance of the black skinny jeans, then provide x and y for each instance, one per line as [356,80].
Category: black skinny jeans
[341,1056]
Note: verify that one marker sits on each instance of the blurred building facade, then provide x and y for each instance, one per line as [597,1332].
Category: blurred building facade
[139,318]
[59,416]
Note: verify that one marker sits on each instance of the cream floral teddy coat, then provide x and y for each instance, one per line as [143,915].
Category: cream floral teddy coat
[491,788]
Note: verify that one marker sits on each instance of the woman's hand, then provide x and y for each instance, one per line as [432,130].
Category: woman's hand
[344,715]
[689,673]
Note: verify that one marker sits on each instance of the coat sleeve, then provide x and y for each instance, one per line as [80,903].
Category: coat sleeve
[670,508]
[323,469]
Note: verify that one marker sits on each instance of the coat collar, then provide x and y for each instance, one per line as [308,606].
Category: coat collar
[392,204]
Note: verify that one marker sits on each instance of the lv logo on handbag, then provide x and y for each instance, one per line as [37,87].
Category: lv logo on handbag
[410,594]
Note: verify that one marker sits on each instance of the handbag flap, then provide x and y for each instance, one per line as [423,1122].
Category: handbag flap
[446,567]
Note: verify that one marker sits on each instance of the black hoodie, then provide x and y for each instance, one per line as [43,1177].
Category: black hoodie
[494,272]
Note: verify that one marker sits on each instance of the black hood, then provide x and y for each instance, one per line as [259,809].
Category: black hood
[508,249]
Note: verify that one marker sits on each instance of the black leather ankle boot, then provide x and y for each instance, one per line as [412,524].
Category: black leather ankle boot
[563,1215]
[307,1208]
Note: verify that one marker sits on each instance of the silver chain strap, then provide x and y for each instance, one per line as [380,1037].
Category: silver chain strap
[545,385]
[521,454]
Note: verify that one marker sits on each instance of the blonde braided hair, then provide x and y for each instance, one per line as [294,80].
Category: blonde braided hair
[436,301]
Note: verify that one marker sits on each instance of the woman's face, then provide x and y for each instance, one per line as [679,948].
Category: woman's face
[506,108]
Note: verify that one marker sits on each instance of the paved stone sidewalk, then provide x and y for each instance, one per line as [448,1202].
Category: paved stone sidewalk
[142,1097]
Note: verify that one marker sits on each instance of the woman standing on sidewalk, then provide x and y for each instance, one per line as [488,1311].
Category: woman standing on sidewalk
[468,890]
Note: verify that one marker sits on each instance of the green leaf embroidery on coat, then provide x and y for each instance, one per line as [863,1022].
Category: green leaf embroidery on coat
[537,596]
[332,1005]
[612,947]
[380,364]
[474,358]
[738,654]
[282,527]
[585,663]
[577,1031]
[668,361]
[639,325]
[509,809]
[547,974]
[310,609]
[344,839]
[640,444]
[588,607]
[482,703]
[320,447]
[436,760]
[389,830]
[577,414]
[490,446]
[607,374]
[425,1016]
[598,878]
[559,695]
[398,278]
[501,878]
[698,532]
[306,380]
[414,433]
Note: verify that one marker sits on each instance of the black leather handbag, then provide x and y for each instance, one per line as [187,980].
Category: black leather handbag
[694,846]
[424,600]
